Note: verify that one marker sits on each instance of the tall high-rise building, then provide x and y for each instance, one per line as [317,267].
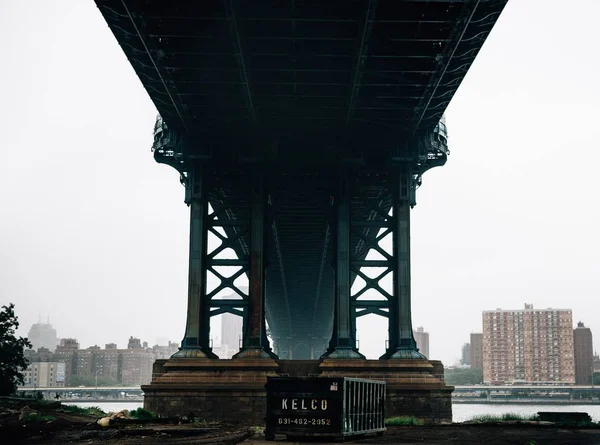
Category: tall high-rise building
[136,366]
[529,346]
[43,335]
[44,375]
[68,343]
[422,339]
[134,343]
[466,355]
[165,351]
[596,363]
[476,350]
[66,352]
[231,333]
[584,354]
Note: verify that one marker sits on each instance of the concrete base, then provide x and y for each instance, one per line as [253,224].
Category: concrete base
[234,390]
[210,389]
[415,387]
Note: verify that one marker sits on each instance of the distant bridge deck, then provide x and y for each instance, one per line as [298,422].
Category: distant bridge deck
[527,394]
[86,394]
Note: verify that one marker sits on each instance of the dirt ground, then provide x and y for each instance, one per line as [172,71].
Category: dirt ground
[60,427]
[407,435]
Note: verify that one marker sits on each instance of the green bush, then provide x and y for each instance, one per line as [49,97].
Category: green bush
[463,376]
[405,420]
[31,417]
[91,411]
[142,413]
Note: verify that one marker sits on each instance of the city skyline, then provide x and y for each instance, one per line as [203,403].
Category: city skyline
[217,334]
[111,254]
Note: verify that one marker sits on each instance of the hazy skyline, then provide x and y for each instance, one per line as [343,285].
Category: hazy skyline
[94,232]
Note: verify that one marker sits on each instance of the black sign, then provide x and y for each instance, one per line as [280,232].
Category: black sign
[304,406]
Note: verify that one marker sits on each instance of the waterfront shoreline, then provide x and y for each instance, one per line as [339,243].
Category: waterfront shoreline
[525,402]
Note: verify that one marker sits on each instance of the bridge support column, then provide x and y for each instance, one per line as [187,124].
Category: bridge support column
[195,343]
[343,343]
[255,342]
[402,343]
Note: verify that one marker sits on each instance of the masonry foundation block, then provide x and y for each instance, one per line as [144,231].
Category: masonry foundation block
[234,390]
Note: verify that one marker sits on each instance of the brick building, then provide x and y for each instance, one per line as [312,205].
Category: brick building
[528,346]
[476,351]
[584,354]
[130,367]
[44,375]
[465,356]
[136,367]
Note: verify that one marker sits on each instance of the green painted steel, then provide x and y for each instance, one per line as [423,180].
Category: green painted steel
[338,108]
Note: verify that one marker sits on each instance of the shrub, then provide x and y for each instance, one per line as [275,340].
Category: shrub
[142,413]
[403,421]
[91,411]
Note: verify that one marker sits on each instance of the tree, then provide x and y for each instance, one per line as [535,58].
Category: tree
[463,376]
[12,359]
[91,380]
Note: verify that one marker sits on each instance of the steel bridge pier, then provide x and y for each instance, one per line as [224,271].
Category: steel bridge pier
[301,131]
[256,212]
[355,233]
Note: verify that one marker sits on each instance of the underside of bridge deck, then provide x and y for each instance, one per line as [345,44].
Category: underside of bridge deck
[301,130]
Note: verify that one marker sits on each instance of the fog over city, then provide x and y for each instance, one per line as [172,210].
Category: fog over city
[94,233]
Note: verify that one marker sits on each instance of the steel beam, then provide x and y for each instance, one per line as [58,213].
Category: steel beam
[445,61]
[343,342]
[255,343]
[401,340]
[195,343]
[154,65]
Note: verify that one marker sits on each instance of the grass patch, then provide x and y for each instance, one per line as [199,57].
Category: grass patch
[488,418]
[31,418]
[91,411]
[141,413]
[403,421]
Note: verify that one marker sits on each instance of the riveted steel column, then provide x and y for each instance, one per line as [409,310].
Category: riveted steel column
[195,343]
[255,342]
[342,344]
[402,343]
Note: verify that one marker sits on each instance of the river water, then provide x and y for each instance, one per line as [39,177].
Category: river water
[460,411]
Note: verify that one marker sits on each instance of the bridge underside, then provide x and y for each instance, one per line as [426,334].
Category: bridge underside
[302,124]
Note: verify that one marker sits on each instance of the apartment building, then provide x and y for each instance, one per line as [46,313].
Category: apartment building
[528,346]
[584,354]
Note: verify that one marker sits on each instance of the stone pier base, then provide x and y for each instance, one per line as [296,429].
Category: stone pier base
[234,390]
[415,388]
[210,389]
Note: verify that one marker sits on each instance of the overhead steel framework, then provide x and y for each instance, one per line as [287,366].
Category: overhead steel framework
[301,130]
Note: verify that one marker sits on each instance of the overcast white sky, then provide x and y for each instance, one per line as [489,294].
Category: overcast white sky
[93,233]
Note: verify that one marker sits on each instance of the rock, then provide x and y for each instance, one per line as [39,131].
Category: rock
[105,421]
[124,414]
